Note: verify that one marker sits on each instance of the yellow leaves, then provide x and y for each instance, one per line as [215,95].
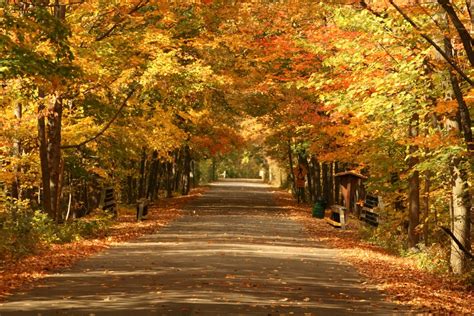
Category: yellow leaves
[98,171]
[157,39]
[77,130]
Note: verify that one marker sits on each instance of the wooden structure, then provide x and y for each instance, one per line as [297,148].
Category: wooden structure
[110,204]
[336,216]
[350,187]
[368,213]
[142,208]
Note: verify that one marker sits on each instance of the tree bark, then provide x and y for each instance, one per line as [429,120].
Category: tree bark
[327,183]
[317,177]
[169,176]
[141,184]
[426,207]
[413,187]
[153,175]
[461,218]
[54,152]
[290,161]
[461,197]
[43,151]
[186,185]
[17,153]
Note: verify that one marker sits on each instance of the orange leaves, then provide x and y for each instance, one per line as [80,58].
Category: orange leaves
[446,107]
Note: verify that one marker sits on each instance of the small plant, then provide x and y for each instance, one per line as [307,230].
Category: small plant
[24,231]
[432,258]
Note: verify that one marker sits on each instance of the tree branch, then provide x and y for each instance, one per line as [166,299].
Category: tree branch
[466,38]
[102,131]
[107,33]
[451,62]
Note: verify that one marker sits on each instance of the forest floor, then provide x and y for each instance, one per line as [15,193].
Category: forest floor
[21,273]
[400,277]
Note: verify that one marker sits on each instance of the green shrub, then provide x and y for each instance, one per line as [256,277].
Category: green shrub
[387,235]
[83,228]
[433,258]
[24,231]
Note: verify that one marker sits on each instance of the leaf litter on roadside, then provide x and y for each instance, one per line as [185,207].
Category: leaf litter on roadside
[16,274]
[399,277]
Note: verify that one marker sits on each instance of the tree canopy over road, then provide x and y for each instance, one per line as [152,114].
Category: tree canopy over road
[151,97]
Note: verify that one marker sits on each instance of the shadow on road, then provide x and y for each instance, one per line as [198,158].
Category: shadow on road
[231,254]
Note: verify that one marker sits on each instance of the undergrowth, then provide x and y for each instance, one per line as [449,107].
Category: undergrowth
[24,231]
[432,258]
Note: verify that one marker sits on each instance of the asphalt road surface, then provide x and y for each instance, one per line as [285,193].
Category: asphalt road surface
[231,254]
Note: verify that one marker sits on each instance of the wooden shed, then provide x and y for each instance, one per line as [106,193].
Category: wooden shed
[350,183]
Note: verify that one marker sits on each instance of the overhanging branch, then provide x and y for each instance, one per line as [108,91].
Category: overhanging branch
[102,131]
[449,60]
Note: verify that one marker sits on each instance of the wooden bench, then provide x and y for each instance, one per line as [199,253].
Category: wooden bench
[336,216]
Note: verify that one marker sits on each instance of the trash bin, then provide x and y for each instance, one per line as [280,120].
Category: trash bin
[318,209]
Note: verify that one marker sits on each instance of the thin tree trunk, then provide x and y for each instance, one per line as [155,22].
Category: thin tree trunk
[413,188]
[186,186]
[153,174]
[129,189]
[426,207]
[43,152]
[337,185]
[292,175]
[17,153]
[317,177]
[169,176]
[141,184]
[327,186]
[213,169]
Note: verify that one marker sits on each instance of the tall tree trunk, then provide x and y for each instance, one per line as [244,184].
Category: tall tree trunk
[178,170]
[186,186]
[461,217]
[129,189]
[461,197]
[327,183]
[337,167]
[426,207]
[317,177]
[291,174]
[413,188]
[17,153]
[153,175]
[331,183]
[312,182]
[43,151]
[213,169]
[50,144]
[169,177]
[141,183]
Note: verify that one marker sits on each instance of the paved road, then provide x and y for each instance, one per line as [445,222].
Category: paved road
[230,254]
